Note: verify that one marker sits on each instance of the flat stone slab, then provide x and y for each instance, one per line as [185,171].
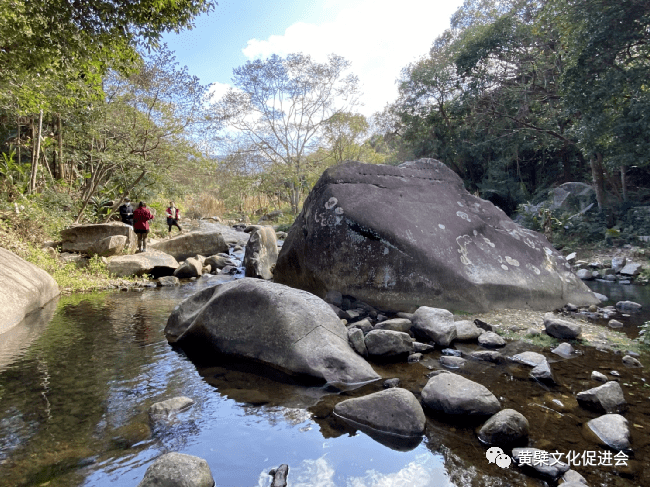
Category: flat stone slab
[149,262]
[454,394]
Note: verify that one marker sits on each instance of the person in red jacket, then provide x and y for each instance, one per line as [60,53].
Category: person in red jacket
[173,214]
[141,217]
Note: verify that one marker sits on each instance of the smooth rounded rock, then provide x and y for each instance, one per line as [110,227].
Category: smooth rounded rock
[178,470]
[394,410]
[434,324]
[388,343]
[507,427]
[608,397]
[491,340]
[453,394]
[559,328]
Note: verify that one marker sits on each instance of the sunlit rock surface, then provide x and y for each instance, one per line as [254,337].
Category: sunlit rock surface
[406,236]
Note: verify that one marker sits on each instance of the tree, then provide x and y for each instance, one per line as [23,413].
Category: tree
[282,105]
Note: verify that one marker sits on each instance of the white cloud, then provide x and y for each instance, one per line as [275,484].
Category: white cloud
[217,90]
[379,37]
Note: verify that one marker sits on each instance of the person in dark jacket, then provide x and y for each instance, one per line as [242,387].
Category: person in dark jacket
[141,217]
[126,212]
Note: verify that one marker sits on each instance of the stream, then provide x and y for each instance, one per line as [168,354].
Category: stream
[77,379]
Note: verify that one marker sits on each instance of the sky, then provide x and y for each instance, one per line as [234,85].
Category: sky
[378,37]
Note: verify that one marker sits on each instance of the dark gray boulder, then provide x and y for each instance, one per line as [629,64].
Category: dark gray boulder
[280,475]
[168,281]
[628,307]
[394,410]
[401,237]
[285,328]
[178,470]
[219,261]
[532,359]
[505,428]
[608,397]
[434,324]
[452,362]
[486,356]
[612,430]
[261,252]
[388,343]
[559,328]
[454,394]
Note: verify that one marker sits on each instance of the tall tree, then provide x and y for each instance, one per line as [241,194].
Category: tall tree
[281,106]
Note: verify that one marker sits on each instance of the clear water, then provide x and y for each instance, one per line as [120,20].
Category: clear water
[76,382]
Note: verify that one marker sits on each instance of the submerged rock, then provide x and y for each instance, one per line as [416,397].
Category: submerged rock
[178,470]
[547,468]
[394,411]
[174,405]
[612,430]
[285,328]
[401,237]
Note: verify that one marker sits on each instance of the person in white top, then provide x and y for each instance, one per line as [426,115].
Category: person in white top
[173,215]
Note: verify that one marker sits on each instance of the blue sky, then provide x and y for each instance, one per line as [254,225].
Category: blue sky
[379,37]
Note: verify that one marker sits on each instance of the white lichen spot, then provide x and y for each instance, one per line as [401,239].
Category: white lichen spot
[514,234]
[530,243]
[548,251]
[331,203]
[512,261]
[463,216]
[385,250]
[460,203]
[534,269]
[338,211]
[500,259]
[475,233]
[441,226]
[504,267]
[487,241]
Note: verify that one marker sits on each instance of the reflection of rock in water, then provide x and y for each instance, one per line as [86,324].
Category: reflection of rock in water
[17,340]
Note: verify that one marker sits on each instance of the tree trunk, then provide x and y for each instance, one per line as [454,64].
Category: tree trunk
[596,162]
[624,182]
[36,152]
[59,167]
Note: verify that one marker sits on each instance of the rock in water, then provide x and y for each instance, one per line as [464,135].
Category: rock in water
[286,328]
[178,470]
[454,394]
[261,252]
[393,410]
[25,288]
[401,237]
[84,238]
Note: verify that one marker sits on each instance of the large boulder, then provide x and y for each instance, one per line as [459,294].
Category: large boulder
[388,343]
[261,252]
[189,244]
[151,262]
[608,397]
[612,430]
[286,328]
[192,267]
[393,410]
[85,238]
[400,237]
[507,427]
[572,197]
[454,394]
[25,288]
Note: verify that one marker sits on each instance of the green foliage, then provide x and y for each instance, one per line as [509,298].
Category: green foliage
[644,335]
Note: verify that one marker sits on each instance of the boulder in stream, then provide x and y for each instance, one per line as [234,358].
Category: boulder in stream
[394,411]
[454,394]
[507,427]
[285,328]
[151,262]
[25,288]
[608,397]
[612,430]
[261,252]
[85,238]
[178,470]
[398,237]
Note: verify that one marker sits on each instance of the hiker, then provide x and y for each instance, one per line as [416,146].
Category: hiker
[173,215]
[141,217]
[126,212]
